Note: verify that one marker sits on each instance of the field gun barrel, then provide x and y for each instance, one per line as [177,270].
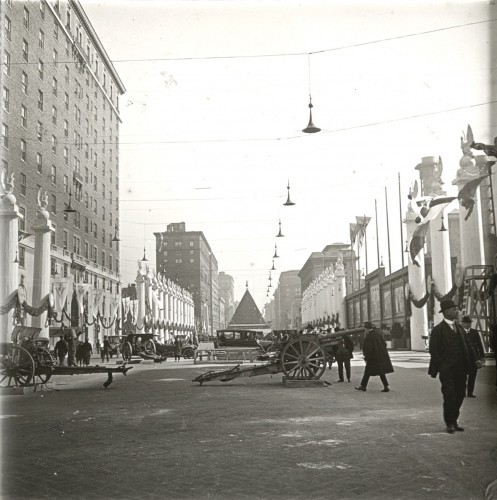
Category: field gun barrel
[335,335]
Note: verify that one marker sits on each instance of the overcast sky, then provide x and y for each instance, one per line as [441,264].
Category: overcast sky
[217,96]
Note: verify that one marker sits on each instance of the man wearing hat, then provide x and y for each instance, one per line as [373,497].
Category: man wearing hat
[452,358]
[374,349]
[477,345]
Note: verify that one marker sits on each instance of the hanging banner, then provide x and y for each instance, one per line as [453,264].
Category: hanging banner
[134,310]
[126,306]
[81,289]
[61,289]
[114,303]
[98,297]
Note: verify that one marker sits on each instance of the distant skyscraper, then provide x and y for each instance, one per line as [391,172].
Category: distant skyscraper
[227,292]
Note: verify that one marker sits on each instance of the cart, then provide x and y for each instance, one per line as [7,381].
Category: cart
[144,345]
[299,357]
[27,361]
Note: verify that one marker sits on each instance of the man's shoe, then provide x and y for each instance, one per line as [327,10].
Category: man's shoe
[471,396]
[348,380]
[339,381]
[458,428]
[451,429]
[360,388]
[386,389]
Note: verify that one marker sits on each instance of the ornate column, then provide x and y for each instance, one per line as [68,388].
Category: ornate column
[42,229]
[9,231]
[340,290]
[140,296]
[417,286]
[470,228]
[155,304]
[430,170]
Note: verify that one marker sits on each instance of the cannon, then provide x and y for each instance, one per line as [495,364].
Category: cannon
[27,360]
[298,357]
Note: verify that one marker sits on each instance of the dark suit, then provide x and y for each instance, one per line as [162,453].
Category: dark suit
[476,343]
[452,358]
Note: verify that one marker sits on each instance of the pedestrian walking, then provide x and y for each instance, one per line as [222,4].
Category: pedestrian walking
[60,350]
[374,349]
[105,349]
[177,349]
[71,348]
[475,340]
[86,351]
[97,346]
[452,359]
[343,357]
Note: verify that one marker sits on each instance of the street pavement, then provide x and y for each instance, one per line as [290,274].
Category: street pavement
[155,434]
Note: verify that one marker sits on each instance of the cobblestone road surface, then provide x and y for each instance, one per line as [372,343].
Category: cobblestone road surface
[155,434]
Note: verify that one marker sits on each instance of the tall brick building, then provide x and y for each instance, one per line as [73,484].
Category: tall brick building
[186,258]
[60,132]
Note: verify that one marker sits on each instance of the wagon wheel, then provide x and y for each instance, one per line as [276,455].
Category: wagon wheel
[149,347]
[43,357]
[303,359]
[126,351]
[188,352]
[17,367]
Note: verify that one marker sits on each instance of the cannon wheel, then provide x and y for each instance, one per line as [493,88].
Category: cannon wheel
[126,351]
[149,348]
[17,367]
[43,358]
[303,359]
[188,352]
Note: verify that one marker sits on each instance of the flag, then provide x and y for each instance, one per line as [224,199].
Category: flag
[353,233]
[467,194]
[418,241]
[431,209]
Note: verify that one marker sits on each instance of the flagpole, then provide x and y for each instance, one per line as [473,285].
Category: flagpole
[352,263]
[401,226]
[377,240]
[359,262]
[388,234]
[365,243]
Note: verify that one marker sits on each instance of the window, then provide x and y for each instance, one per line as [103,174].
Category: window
[66,131]
[76,245]
[53,174]
[22,257]
[54,145]
[67,46]
[25,50]
[87,203]
[42,9]
[6,63]
[6,98]
[40,69]
[66,100]
[40,100]
[55,58]
[39,163]
[103,258]
[95,207]
[95,182]
[94,254]
[87,250]
[103,213]
[95,229]
[24,83]
[25,18]
[23,150]
[8,28]
[53,206]
[56,30]
[22,219]
[54,115]
[64,241]
[77,220]
[66,156]
[52,234]
[192,261]
[179,261]
[24,116]
[67,74]
[103,236]
[54,86]
[5,136]
[41,40]
[23,184]
[66,184]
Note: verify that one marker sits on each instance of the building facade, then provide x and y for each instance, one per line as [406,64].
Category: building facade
[289,297]
[227,292]
[186,258]
[60,138]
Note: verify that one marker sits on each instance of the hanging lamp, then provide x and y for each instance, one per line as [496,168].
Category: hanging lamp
[275,256]
[443,228]
[144,256]
[280,234]
[288,202]
[311,128]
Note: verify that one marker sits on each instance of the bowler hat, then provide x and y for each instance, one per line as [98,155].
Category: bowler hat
[446,304]
[466,319]
[368,325]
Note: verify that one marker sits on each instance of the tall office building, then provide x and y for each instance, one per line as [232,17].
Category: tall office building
[227,292]
[60,132]
[186,258]
[288,299]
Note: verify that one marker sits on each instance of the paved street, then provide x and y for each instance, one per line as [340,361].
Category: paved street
[155,434]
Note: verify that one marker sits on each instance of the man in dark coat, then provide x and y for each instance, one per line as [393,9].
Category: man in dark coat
[475,341]
[374,349]
[60,350]
[343,356]
[452,358]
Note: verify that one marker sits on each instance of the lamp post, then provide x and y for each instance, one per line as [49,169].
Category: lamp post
[210,291]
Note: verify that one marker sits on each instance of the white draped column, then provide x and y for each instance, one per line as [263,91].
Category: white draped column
[140,296]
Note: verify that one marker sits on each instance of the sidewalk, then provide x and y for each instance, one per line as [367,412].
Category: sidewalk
[155,434]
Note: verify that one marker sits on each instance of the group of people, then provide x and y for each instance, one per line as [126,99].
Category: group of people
[79,352]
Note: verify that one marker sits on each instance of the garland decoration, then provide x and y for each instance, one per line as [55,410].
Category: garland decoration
[9,305]
[102,321]
[421,302]
[36,311]
[449,295]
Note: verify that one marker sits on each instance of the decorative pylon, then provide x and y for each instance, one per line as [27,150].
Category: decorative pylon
[288,202]
[280,234]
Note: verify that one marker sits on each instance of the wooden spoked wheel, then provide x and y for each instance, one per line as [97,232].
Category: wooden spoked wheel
[149,348]
[126,351]
[303,359]
[17,368]
[42,357]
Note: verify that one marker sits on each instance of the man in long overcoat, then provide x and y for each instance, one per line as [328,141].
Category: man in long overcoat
[452,358]
[477,344]
[374,349]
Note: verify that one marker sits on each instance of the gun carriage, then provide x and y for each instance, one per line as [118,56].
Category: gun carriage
[298,357]
[27,360]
